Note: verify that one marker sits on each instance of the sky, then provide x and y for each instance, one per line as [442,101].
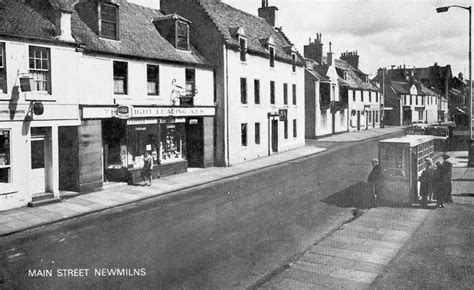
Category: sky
[383,32]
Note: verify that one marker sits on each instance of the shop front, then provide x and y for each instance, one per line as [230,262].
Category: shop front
[176,138]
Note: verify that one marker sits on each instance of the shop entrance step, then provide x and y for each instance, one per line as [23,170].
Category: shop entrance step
[43,200]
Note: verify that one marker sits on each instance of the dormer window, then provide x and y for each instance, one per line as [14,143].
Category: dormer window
[272,56]
[109,20]
[243,48]
[345,75]
[293,62]
[182,35]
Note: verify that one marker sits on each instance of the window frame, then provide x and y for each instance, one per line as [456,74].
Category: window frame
[155,79]
[295,128]
[272,92]
[244,134]
[293,62]
[272,53]
[3,69]
[35,70]
[243,49]
[117,77]
[294,94]
[178,36]
[257,133]
[256,91]
[285,94]
[243,91]
[116,23]
[285,129]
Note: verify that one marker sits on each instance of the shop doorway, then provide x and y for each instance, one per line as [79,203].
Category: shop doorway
[41,162]
[274,135]
[195,142]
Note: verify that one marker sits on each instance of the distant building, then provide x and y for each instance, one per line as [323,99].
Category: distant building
[259,78]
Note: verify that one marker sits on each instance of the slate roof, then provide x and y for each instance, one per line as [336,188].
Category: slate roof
[256,29]
[138,35]
[355,77]
[400,87]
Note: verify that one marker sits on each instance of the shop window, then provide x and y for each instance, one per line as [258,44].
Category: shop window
[256,88]
[285,127]
[182,35]
[294,94]
[293,62]
[153,79]
[3,74]
[5,167]
[172,142]
[272,56]
[295,131]
[243,90]
[257,133]
[272,92]
[120,77]
[40,68]
[243,49]
[243,133]
[285,94]
[109,20]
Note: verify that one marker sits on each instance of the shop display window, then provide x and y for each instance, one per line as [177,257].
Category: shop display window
[172,142]
[5,167]
[140,138]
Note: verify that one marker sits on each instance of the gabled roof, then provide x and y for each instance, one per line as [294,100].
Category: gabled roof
[138,35]
[257,30]
[401,87]
[355,78]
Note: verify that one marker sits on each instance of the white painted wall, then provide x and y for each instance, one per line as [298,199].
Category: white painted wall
[366,103]
[259,68]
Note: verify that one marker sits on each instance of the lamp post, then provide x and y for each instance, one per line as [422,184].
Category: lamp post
[471,133]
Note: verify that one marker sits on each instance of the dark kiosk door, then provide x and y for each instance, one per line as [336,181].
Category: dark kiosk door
[275,135]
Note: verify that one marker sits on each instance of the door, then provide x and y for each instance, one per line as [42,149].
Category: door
[373,119]
[358,120]
[41,156]
[275,135]
[195,142]
[333,123]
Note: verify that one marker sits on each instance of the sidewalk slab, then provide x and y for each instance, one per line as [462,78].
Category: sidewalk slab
[355,255]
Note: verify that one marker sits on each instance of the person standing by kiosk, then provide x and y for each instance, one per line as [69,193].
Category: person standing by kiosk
[426,182]
[375,181]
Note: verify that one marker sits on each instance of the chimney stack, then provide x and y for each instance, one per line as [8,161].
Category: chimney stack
[269,13]
[330,58]
[352,57]
[314,50]
[62,22]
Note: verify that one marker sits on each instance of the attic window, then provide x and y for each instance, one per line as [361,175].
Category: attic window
[109,20]
[293,62]
[243,48]
[345,75]
[272,56]
[182,35]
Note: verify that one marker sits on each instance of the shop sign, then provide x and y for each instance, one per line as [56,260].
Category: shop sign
[141,121]
[147,112]
[193,121]
[124,112]
[283,113]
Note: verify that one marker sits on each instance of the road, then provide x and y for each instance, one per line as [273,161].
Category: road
[217,237]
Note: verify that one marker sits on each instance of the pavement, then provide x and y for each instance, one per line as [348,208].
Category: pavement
[119,194]
[373,250]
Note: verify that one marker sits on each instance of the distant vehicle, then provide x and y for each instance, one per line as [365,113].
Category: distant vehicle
[442,134]
[421,124]
[416,128]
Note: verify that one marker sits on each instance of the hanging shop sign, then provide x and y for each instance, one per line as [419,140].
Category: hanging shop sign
[283,113]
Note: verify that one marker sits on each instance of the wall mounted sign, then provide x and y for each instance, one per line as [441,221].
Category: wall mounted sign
[124,112]
[147,112]
[283,113]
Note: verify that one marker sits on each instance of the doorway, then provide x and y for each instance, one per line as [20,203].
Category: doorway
[195,142]
[41,162]
[274,135]
[358,120]
[333,123]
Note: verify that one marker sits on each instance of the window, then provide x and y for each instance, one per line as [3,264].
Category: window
[256,91]
[120,77]
[285,127]
[361,96]
[243,90]
[354,95]
[182,35]
[416,100]
[420,115]
[5,170]
[109,20]
[422,101]
[293,62]
[3,74]
[333,92]
[294,94]
[370,116]
[295,131]
[405,102]
[376,97]
[285,94]
[40,68]
[376,116]
[190,88]
[153,79]
[243,49]
[272,56]
[243,133]
[257,133]
[272,92]
[370,97]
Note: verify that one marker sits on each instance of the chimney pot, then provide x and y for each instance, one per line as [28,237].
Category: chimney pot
[269,13]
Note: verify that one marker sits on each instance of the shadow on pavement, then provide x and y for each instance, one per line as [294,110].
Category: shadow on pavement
[357,195]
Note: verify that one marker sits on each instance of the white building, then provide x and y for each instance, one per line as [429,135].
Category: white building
[88,87]
[259,78]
